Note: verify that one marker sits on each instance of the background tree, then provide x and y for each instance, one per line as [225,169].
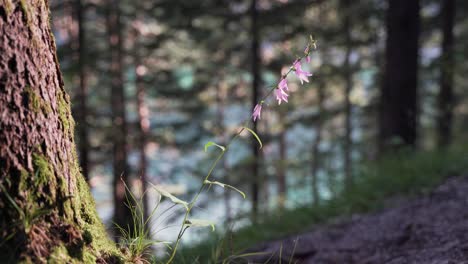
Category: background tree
[316,155]
[82,113]
[142,108]
[445,98]
[122,213]
[348,79]
[398,98]
[256,82]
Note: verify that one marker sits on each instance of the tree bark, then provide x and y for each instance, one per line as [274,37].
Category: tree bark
[122,214]
[398,98]
[445,98]
[46,209]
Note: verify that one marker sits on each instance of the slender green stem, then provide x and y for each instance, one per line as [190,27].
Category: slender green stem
[183,228]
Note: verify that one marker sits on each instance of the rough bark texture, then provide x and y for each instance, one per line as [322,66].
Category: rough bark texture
[398,101]
[445,98]
[46,210]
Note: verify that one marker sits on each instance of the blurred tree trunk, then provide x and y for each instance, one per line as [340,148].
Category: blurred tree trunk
[143,111]
[122,214]
[281,164]
[143,128]
[315,165]
[348,76]
[398,98]
[221,90]
[255,98]
[445,99]
[45,203]
[82,113]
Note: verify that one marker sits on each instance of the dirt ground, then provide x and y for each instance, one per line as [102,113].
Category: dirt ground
[431,229]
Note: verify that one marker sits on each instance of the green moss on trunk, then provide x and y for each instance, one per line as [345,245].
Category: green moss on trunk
[36,103]
[92,228]
[64,113]
[8,5]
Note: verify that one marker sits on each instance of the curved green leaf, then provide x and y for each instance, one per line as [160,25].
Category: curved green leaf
[200,223]
[225,186]
[170,196]
[211,143]
[255,135]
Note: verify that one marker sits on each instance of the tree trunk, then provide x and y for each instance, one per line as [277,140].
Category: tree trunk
[122,214]
[255,98]
[82,112]
[348,77]
[47,211]
[398,101]
[281,164]
[221,91]
[315,166]
[143,111]
[446,78]
[143,127]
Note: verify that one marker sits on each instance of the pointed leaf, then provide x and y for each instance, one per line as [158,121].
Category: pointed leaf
[200,223]
[225,186]
[255,135]
[211,143]
[170,196]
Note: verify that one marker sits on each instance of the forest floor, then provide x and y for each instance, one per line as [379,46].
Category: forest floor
[431,228]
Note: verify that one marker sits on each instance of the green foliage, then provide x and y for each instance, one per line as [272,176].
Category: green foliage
[404,173]
[200,223]
[27,217]
[255,135]
[211,143]
[225,186]
[136,241]
[174,199]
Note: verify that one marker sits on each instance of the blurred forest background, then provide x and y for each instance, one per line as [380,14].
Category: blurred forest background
[152,81]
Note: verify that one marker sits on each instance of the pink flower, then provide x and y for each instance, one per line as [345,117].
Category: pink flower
[283,85]
[281,95]
[280,92]
[306,52]
[301,74]
[257,112]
